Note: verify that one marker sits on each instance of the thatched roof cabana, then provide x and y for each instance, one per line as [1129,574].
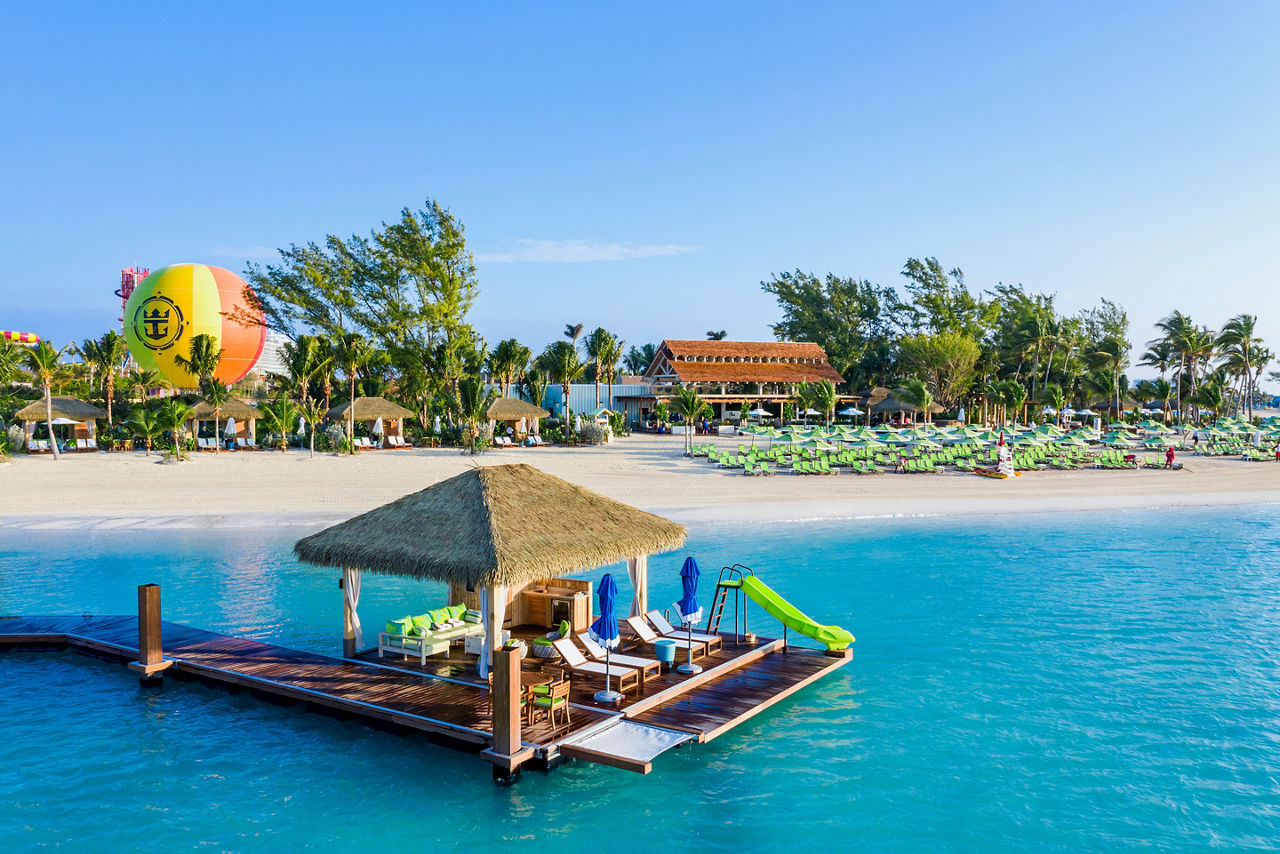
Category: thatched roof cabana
[234,408]
[513,409]
[493,529]
[492,526]
[63,407]
[370,409]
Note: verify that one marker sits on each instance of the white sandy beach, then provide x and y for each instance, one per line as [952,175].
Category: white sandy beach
[269,487]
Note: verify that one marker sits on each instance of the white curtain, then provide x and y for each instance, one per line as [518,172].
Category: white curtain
[638,570]
[493,609]
[351,592]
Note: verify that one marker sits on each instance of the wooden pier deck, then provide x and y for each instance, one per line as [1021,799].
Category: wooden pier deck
[444,698]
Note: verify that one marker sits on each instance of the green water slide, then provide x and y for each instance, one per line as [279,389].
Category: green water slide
[833,637]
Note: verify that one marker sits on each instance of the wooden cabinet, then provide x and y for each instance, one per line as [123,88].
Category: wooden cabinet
[548,606]
[535,609]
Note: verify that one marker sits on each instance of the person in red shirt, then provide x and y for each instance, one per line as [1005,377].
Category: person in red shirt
[1168,458]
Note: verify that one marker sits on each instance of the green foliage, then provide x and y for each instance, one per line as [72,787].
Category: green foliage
[203,356]
[846,317]
[820,396]
[638,359]
[508,363]
[915,391]
[280,417]
[562,365]
[945,360]
[472,407]
[942,303]
[146,426]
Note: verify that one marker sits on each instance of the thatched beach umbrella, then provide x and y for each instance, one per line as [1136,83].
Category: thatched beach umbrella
[513,409]
[494,529]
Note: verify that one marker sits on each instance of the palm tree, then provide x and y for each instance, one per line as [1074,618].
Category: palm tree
[1053,396]
[303,360]
[11,358]
[216,394]
[145,426]
[1112,354]
[915,391]
[599,344]
[713,335]
[279,417]
[639,359]
[90,352]
[203,356]
[1238,335]
[1177,329]
[353,353]
[1209,396]
[508,362]
[533,386]
[820,395]
[690,405]
[113,349]
[145,379]
[313,412]
[609,359]
[326,364]
[173,415]
[573,331]
[1013,396]
[472,407]
[562,365]
[42,360]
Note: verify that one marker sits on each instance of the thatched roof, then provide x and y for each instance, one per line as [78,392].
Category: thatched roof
[233,408]
[893,404]
[872,396]
[63,407]
[492,525]
[513,409]
[370,409]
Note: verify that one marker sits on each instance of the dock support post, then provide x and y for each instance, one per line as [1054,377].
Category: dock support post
[151,661]
[507,753]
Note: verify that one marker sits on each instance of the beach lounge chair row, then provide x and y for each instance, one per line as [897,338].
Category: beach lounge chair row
[398,442]
[38,446]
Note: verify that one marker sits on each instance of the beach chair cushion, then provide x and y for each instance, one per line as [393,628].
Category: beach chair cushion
[472,616]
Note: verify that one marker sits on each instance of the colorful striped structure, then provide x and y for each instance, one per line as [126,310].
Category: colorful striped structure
[20,337]
[178,302]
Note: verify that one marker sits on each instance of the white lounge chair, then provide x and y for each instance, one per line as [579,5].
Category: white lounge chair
[645,632]
[91,443]
[577,663]
[536,442]
[667,630]
[644,665]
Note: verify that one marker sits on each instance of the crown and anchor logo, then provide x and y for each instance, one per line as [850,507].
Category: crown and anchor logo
[158,323]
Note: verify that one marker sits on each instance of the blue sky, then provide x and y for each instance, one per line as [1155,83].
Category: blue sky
[644,167]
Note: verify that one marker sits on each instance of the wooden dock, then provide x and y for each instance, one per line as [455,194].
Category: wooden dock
[443,699]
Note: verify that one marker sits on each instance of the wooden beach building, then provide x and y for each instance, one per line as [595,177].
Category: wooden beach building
[729,373]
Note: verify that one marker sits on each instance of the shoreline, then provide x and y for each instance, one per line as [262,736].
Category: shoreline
[130,491]
[769,513]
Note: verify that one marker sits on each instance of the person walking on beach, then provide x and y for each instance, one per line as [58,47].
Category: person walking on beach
[1168,458]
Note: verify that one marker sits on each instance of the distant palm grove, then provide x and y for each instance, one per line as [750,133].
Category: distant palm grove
[386,315]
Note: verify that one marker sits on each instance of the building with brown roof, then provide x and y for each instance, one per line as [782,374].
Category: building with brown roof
[730,373]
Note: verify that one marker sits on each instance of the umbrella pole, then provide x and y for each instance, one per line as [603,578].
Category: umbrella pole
[607,696]
[690,668]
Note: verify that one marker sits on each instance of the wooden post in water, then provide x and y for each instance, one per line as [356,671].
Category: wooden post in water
[151,660]
[507,753]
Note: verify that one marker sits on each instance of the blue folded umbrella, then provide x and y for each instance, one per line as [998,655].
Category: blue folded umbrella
[604,630]
[688,608]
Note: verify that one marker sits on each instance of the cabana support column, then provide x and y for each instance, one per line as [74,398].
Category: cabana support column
[493,609]
[352,637]
[638,570]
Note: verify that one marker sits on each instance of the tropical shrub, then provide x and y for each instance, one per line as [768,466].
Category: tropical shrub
[591,434]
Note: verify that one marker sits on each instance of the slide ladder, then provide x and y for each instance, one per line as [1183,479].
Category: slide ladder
[741,579]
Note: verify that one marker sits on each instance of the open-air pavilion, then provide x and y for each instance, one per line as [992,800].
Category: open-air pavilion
[521,416]
[372,410]
[244,413]
[77,416]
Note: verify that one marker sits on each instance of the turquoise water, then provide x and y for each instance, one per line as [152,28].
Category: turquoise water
[1061,682]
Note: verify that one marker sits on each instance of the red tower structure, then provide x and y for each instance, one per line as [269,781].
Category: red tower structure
[129,279]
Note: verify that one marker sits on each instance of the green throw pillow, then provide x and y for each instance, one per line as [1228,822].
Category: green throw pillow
[457,611]
[439,615]
[565,629]
[471,617]
[399,627]
[422,620]
[419,632]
